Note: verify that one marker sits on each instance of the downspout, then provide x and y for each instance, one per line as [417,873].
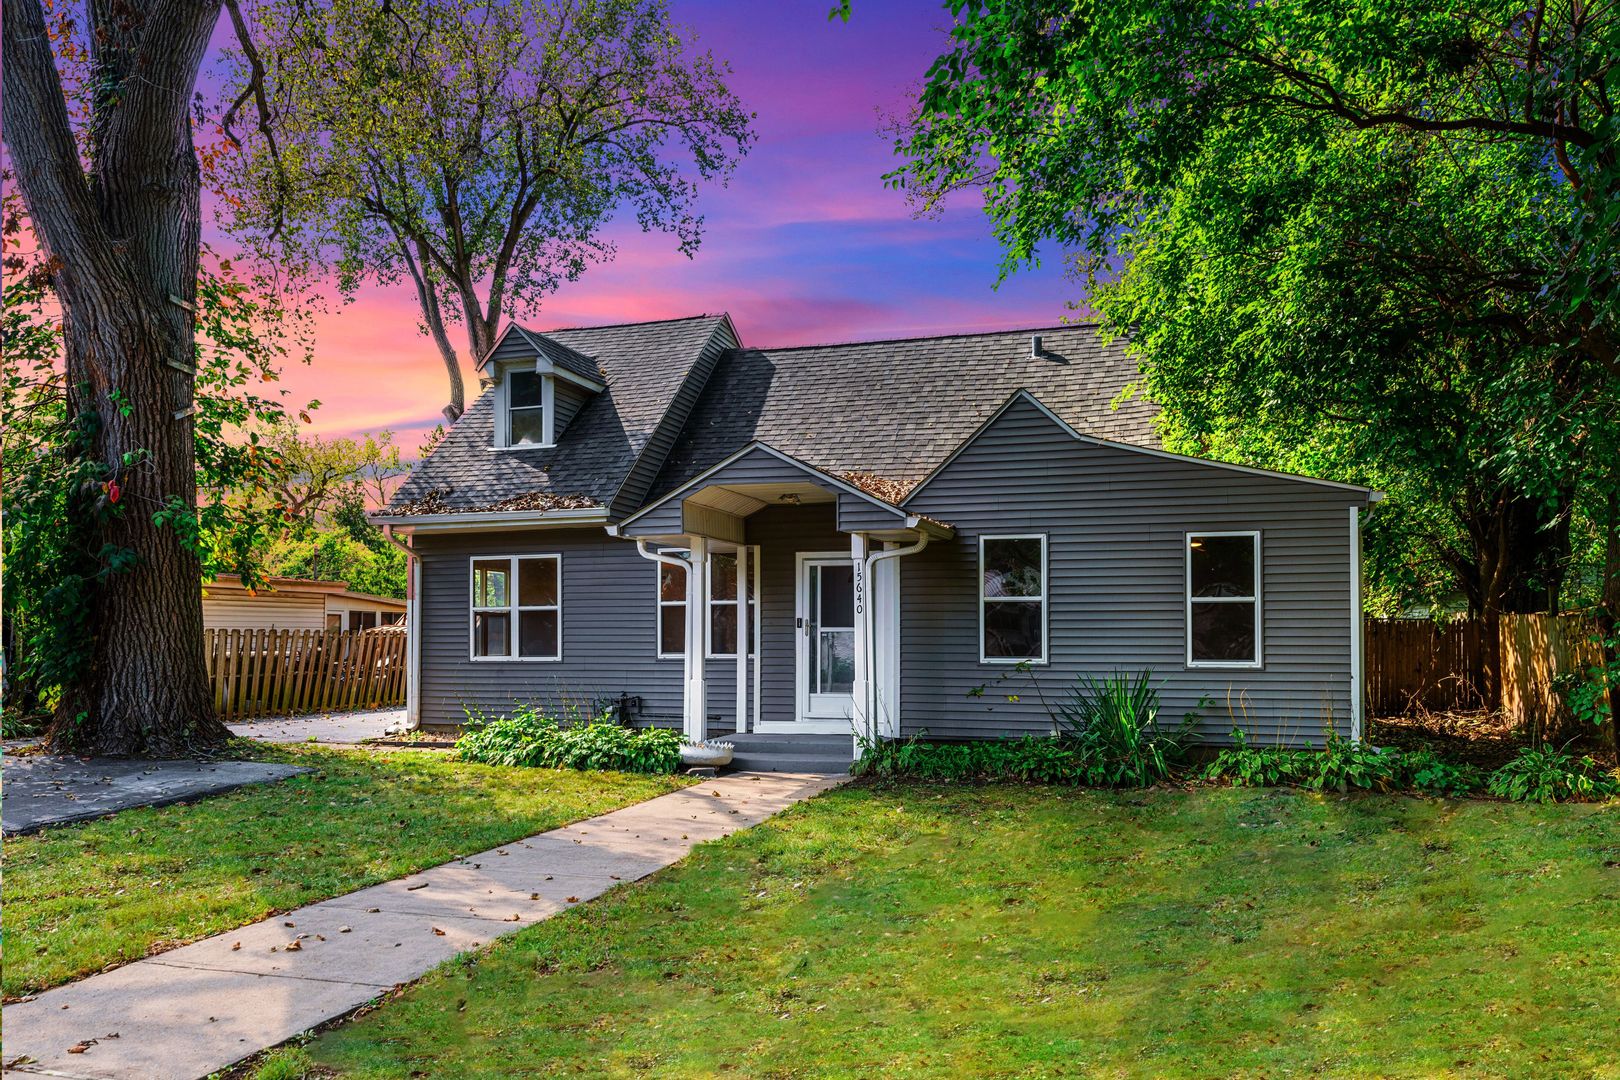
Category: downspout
[413,632]
[870,615]
[686,653]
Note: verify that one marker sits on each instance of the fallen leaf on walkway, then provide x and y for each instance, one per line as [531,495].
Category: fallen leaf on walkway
[418,885]
[237,947]
[372,910]
[534,896]
[573,899]
[512,918]
[343,930]
[294,946]
[437,932]
[79,1048]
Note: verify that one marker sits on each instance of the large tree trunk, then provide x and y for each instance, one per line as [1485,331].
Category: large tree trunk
[124,244]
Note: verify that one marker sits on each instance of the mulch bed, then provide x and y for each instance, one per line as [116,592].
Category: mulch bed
[1480,737]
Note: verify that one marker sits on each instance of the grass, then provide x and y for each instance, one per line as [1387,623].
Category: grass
[82,897]
[1011,931]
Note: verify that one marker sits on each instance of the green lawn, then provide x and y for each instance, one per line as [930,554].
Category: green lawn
[1009,931]
[81,897]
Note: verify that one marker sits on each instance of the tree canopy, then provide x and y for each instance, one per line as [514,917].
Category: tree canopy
[1366,241]
[475,150]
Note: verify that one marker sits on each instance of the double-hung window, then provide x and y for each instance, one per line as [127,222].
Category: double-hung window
[671,608]
[525,409]
[720,603]
[1012,599]
[517,607]
[724,617]
[1223,599]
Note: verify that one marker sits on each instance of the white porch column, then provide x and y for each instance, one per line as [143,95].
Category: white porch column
[861,719]
[695,718]
[743,624]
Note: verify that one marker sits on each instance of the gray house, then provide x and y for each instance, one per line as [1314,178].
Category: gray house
[920,536]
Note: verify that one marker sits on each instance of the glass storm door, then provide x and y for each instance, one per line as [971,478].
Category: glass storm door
[827,638]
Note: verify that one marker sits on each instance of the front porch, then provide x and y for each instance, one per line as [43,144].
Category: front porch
[817,562]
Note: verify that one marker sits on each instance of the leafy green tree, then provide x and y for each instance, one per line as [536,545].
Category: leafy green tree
[475,150]
[365,564]
[98,134]
[61,499]
[1375,238]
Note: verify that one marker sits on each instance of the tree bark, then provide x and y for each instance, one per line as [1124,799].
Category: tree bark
[124,243]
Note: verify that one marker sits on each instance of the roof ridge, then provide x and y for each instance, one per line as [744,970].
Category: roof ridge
[921,337]
[631,322]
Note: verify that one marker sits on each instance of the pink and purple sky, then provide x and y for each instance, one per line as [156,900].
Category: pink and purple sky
[805,244]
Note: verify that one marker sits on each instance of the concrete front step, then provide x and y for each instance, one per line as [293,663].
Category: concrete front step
[790,763]
[824,754]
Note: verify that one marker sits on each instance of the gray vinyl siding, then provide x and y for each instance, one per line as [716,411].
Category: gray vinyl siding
[755,467]
[608,620]
[1115,523]
[609,624]
[638,483]
[856,514]
[567,399]
[511,349]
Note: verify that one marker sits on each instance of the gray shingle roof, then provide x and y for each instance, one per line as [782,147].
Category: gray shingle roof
[643,364]
[563,356]
[891,409]
[898,408]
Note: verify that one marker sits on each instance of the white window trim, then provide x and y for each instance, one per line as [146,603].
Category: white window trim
[513,609]
[660,604]
[1042,599]
[709,603]
[1259,607]
[548,407]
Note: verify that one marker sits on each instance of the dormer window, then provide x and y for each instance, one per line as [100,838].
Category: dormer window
[539,387]
[526,409]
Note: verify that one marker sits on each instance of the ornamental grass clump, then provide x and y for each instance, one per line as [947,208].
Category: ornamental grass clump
[533,739]
[1113,726]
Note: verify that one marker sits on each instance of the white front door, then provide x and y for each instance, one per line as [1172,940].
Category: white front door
[825,620]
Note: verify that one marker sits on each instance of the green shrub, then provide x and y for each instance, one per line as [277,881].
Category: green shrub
[1113,726]
[1242,765]
[1428,772]
[1035,759]
[1342,765]
[531,738]
[1549,775]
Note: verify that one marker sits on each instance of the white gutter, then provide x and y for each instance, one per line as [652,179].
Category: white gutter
[413,632]
[594,515]
[870,617]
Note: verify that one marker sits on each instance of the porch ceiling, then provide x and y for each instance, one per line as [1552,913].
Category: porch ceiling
[745,499]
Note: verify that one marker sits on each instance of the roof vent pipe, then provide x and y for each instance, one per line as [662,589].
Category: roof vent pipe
[1035,347]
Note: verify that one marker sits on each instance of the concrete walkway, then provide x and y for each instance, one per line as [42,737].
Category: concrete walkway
[339,728]
[200,1008]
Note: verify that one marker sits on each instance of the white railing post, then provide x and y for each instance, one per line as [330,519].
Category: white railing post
[743,628]
[695,721]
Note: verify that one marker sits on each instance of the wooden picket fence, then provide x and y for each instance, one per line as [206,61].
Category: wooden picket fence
[1539,652]
[1514,663]
[285,672]
[1414,664]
